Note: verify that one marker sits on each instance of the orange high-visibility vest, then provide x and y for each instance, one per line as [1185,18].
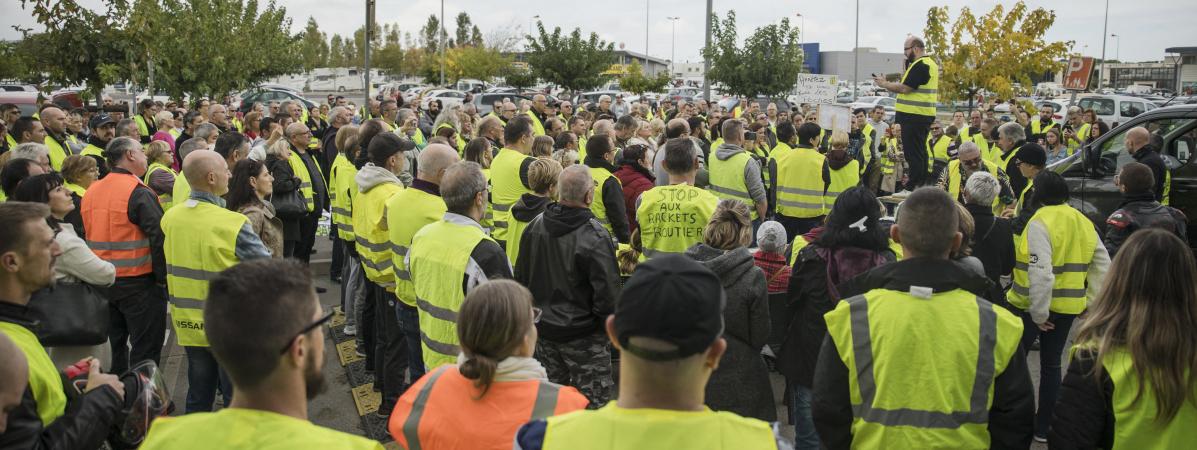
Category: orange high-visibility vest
[441,411]
[110,234]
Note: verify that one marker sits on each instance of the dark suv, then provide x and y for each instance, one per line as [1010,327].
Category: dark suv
[1090,173]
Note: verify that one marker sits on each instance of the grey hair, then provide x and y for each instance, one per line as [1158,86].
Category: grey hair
[118,147]
[123,125]
[771,237]
[448,115]
[574,183]
[278,148]
[206,130]
[29,150]
[1012,131]
[336,111]
[604,97]
[969,147]
[404,113]
[981,188]
[284,106]
[191,145]
[163,115]
[460,185]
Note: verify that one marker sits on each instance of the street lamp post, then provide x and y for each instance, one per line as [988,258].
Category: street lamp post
[801,35]
[706,62]
[1101,78]
[1117,46]
[673,47]
[646,3]
[442,45]
[856,54]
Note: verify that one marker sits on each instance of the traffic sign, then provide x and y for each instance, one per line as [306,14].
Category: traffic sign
[1077,75]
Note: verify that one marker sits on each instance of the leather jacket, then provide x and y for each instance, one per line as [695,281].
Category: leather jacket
[1138,212]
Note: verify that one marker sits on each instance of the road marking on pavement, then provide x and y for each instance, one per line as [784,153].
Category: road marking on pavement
[366,399]
[347,352]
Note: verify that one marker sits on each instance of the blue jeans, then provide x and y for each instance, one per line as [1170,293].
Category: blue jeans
[1051,349]
[805,436]
[409,325]
[203,376]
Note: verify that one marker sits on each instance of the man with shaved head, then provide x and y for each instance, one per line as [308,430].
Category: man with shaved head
[450,257]
[202,239]
[407,212]
[567,260]
[55,122]
[312,187]
[538,114]
[1140,146]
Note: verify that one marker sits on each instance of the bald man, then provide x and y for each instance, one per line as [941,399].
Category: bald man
[538,114]
[55,122]
[14,377]
[305,166]
[1140,147]
[407,212]
[202,239]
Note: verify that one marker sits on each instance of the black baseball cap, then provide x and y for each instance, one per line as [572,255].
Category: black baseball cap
[674,299]
[1033,154]
[100,120]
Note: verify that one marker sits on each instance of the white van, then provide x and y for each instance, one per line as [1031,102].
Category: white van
[1115,109]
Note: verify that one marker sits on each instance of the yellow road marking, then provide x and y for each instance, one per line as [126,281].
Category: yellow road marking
[366,399]
[345,351]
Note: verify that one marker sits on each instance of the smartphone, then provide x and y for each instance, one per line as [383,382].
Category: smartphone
[749,135]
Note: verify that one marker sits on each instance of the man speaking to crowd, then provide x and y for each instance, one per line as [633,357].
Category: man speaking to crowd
[915,107]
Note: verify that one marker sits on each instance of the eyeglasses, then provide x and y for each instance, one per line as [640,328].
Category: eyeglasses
[536,313]
[321,321]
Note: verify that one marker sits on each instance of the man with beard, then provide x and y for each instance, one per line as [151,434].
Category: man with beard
[275,369]
[202,239]
[429,116]
[103,129]
[969,161]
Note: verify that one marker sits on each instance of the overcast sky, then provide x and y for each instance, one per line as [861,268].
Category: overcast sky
[1145,27]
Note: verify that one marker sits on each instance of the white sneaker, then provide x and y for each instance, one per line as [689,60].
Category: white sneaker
[1041,439]
[350,330]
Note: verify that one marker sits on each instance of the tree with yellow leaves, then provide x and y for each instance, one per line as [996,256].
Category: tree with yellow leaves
[992,51]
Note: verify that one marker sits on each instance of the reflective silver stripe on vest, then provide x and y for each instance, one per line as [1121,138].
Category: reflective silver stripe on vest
[500,224]
[129,262]
[546,400]
[188,303]
[862,351]
[801,204]
[398,250]
[797,191]
[341,211]
[916,103]
[305,184]
[439,347]
[728,191]
[401,274]
[436,311]
[345,227]
[118,245]
[379,266]
[501,207]
[411,426]
[1062,268]
[652,253]
[1056,293]
[925,91]
[193,274]
[380,247]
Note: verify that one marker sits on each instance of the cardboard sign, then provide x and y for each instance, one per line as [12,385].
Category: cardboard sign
[817,89]
[1077,76]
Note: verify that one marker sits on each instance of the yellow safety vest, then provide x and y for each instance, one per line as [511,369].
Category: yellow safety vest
[507,188]
[461,143]
[612,427]
[939,150]
[842,179]
[57,152]
[900,401]
[1073,240]
[923,99]
[342,189]
[1081,135]
[867,148]
[990,152]
[516,228]
[955,182]
[887,163]
[12,143]
[1135,424]
[373,242]
[74,188]
[1167,187]
[600,176]
[672,218]
[1022,197]
[241,428]
[537,127]
[305,185]
[727,179]
[142,128]
[439,254]
[92,150]
[1036,128]
[174,133]
[44,381]
[418,138]
[163,199]
[964,134]
[800,183]
[201,241]
[581,148]
[181,190]
[408,212]
[238,125]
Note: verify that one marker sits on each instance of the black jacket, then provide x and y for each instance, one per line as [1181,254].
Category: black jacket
[567,260]
[993,244]
[1013,408]
[611,194]
[1140,211]
[1151,158]
[528,207]
[285,182]
[85,424]
[101,163]
[1084,415]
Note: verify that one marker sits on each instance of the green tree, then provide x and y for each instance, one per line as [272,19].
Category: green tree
[972,56]
[17,56]
[635,81]
[336,51]
[197,45]
[80,46]
[428,35]
[518,77]
[573,62]
[768,63]
[462,36]
[314,46]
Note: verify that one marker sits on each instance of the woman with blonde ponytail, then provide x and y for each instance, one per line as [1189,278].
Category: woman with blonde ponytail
[495,387]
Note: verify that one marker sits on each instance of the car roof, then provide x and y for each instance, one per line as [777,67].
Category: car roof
[1121,98]
[18,97]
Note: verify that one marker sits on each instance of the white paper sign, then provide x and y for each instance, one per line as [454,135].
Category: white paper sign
[817,89]
[835,117]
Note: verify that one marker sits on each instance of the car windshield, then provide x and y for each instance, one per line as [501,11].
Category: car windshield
[1100,106]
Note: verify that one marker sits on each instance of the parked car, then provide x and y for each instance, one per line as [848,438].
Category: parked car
[593,96]
[26,101]
[446,96]
[1115,109]
[1060,108]
[485,102]
[13,87]
[469,85]
[686,93]
[1090,173]
[870,102]
[267,95]
[396,90]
